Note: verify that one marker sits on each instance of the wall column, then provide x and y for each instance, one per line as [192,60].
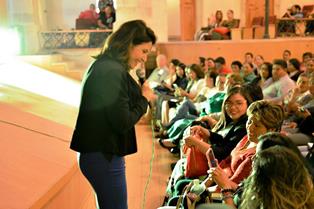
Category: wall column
[3,13]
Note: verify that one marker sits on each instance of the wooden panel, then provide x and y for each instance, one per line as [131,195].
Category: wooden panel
[256,8]
[236,34]
[247,33]
[187,19]
[259,32]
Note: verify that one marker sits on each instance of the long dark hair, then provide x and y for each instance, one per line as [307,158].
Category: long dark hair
[224,118]
[279,179]
[119,43]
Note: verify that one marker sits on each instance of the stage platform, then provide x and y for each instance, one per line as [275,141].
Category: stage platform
[38,110]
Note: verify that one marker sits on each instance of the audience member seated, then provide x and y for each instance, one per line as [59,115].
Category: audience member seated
[306,56]
[223,31]
[294,69]
[288,26]
[236,67]
[224,135]
[264,78]
[190,109]
[249,58]
[195,84]
[309,30]
[213,105]
[286,55]
[301,100]
[279,179]
[299,95]
[220,66]
[281,83]
[247,72]
[274,152]
[294,12]
[215,22]
[103,3]
[88,18]
[166,85]
[107,17]
[258,62]
[263,117]
[309,67]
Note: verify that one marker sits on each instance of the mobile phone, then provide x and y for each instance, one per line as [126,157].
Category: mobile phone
[211,159]
[187,131]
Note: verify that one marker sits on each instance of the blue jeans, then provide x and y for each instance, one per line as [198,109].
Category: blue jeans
[107,179]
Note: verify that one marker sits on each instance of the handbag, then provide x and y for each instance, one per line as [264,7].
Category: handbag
[205,197]
[222,30]
[196,163]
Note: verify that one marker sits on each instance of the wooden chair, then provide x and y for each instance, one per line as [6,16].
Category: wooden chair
[307,10]
[235,32]
[248,33]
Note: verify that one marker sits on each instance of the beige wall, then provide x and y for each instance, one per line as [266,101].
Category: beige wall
[153,12]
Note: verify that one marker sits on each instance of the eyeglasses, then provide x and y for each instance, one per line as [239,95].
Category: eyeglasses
[236,104]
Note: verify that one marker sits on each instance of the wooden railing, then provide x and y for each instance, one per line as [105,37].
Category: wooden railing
[293,26]
[65,39]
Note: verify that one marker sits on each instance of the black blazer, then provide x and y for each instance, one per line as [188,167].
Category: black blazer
[111,104]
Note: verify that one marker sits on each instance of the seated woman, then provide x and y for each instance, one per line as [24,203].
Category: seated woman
[224,136]
[190,109]
[223,31]
[294,69]
[280,179]
[195,84]
[107,17]
[278,142]
[90,14]
[263,117]
[213,105]
[269,141]
[212,23]
[264,77]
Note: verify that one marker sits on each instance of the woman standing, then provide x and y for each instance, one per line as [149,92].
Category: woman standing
[111,104]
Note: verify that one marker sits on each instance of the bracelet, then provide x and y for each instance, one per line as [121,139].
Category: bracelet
[223,191]
[223,196]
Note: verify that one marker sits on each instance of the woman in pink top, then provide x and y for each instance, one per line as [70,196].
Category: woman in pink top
[263,117]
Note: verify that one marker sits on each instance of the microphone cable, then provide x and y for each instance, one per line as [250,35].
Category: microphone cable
[150,166]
